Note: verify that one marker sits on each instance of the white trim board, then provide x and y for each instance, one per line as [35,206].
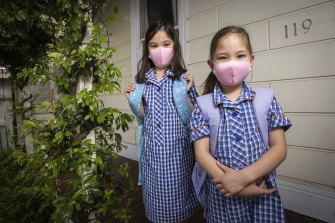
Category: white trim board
[135,33]
[310,200]
[130,153]
[182,14]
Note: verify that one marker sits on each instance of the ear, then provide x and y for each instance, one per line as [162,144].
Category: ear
[210,64]
[252,58]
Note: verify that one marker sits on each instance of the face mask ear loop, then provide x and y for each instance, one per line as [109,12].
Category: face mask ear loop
[210,61]
[251,71]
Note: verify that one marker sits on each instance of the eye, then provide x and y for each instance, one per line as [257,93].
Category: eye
[153,46]
[167,44]
[241,56]
[222,59]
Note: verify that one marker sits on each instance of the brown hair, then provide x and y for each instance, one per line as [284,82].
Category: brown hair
[211,80]
[177,64]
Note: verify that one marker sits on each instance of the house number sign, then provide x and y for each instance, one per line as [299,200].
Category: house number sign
[292,30]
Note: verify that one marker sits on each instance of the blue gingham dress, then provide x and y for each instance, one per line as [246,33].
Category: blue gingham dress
[239,145]
[167,155]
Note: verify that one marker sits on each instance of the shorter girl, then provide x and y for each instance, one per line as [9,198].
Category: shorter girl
[240,155]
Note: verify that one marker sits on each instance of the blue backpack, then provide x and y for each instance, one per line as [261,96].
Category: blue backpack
[261,102]
[180,96]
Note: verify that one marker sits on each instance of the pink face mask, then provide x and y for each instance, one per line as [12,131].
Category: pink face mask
[161,56]
[233,72]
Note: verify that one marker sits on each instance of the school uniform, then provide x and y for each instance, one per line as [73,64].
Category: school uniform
[239,144]
[167,154]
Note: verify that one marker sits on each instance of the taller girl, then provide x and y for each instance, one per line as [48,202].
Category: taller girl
[241,155]
[167,154]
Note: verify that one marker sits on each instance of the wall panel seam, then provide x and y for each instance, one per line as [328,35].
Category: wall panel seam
[315,149]
[289,13]
[216,7]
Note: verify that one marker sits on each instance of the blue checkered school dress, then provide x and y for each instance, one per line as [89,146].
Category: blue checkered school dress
[167,155]
[239,145]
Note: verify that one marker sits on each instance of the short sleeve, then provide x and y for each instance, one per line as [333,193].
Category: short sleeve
[193,94]
[276,117]
[199,124]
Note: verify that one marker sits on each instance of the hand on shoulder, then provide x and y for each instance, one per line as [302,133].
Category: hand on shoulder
[129,89]
[190,79]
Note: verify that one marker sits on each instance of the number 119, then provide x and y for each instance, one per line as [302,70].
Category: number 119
[306,25]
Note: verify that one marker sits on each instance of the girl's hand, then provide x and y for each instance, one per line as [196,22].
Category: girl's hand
[254,191]
[129,89]
[230,183]
[190,80]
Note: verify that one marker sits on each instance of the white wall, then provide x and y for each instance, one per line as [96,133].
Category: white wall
[121,40]
[299,64]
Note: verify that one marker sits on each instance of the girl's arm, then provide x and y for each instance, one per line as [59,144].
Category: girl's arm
[205,159]
[209,164]
[142,109]
[270,160]
[232,183]
[192,92]
[190,81]
[200,136]
[235,180]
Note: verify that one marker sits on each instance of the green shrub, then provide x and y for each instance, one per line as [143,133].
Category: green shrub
[67,176]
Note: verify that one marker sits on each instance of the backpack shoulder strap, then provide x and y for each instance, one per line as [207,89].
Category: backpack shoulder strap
[180,99]
[134,101]
[212,114]
[262,103]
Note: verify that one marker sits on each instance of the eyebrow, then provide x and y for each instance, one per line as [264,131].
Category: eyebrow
[238,52]
[242,51]
[221,54]
[164,41]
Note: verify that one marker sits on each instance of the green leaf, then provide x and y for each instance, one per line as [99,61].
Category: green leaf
[74,25]
[68,133]
[45,103]
[98,160]
[54,54]
[66,99]
[78,207]
[28,124]
[80,192]
[101,119]
[87,157]
[54,171]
